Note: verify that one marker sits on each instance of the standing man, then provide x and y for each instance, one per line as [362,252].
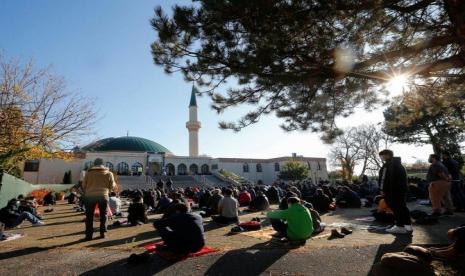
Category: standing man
[458,195]
[97,184]
[393,184]
[439,187]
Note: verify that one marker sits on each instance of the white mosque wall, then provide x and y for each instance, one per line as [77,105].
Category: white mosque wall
[51,171]
[116,157]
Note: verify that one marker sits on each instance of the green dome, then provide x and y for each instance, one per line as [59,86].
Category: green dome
[126,143]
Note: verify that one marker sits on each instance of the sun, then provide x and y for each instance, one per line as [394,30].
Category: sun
[397,85]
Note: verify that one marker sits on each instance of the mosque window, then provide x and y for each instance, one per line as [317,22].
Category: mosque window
[318,166]
[31,166]
[122,168]
[245,167]
[109,165]
[182,169]
[214,166]
[259,167]
[276,167]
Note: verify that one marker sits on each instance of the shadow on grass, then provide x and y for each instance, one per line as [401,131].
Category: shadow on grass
[249,261]
[32,250]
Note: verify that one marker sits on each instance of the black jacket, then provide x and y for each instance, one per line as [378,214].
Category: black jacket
[9,215]
[395,180]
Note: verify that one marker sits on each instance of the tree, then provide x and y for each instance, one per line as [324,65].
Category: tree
[67,178]
[431,113]
[359,146]
[294,170]
[38,116]
[346,153]
[309,61]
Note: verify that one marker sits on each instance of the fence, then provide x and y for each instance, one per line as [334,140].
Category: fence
[11,187]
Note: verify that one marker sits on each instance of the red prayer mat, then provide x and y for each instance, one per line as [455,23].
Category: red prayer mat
[205,250]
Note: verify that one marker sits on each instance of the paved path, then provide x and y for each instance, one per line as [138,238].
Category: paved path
[57,249]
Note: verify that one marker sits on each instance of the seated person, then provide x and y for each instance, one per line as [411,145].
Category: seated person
[115,204]
[294,223]
[49,199]
[28,205]
[346,198]
[244,198]
[182,232]
[149,200]
[164,202]
[452,251]
[204,198]
[72,198]
[213,202]
[383,213]
[12,217]
[321,201]
[259,203]
[137,212]
[273,195]
[227,208]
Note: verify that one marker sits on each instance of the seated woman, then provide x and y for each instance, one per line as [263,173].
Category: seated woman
[294,223]
[12,217]
[182,232]
[346,198]
[457,248]
[137,212]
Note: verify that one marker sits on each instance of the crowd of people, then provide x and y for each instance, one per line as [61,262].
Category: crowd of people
[300,203]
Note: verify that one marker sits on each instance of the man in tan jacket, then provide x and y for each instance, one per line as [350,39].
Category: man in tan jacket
[97,184]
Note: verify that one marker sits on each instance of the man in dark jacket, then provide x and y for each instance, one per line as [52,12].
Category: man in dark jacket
[456,189]
[393,184]
[182,232]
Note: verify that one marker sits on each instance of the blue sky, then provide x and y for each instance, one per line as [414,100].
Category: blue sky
[102,48]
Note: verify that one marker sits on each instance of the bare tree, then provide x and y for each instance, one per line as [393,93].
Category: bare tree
[359,146]
[346,153]
[38,115]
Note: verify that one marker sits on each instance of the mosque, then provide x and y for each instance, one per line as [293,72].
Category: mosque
[139,158]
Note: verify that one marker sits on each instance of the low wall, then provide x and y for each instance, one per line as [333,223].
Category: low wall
[11,187]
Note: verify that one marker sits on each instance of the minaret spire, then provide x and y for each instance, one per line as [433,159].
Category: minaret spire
[193,125]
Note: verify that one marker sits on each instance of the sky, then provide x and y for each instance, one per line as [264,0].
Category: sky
[102,49]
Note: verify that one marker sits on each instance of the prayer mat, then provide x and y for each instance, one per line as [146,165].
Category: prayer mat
[152,247]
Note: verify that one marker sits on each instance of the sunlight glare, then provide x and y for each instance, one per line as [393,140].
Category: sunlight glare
[396,85]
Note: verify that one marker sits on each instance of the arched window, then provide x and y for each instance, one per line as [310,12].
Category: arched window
[245,167]
[122,168]
[109,165]
[259,167]
[170,169]
[88,165]
[276,167]
[182,169]
[137,168]
[194,169]
[204,169]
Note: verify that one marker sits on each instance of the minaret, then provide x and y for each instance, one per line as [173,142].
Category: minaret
[193,125]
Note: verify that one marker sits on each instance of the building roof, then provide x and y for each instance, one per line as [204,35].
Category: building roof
[126,143]
[193,101]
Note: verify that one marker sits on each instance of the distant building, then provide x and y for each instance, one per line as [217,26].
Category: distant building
[139,156]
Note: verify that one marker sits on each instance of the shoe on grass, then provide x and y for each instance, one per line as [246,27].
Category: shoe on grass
[346,231]
[336,235]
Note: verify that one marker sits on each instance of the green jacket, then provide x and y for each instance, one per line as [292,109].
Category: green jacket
[299,221]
